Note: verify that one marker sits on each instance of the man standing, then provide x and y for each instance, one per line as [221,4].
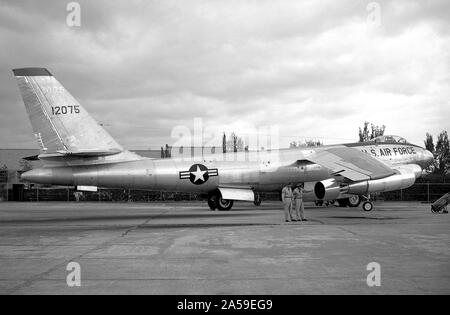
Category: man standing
[298,199]
[286,196]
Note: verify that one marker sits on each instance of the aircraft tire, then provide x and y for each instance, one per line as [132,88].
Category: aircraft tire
[354,201]
[212,202]
[224,205]
[367,206]
[258,200]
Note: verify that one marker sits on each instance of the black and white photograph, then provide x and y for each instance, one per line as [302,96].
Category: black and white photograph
[224,153]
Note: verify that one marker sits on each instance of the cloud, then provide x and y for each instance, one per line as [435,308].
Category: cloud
[314,68]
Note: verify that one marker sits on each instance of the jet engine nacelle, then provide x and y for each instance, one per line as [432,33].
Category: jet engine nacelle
[331,189]
[327,189]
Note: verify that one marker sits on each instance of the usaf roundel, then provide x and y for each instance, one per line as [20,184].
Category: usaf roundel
[199,174]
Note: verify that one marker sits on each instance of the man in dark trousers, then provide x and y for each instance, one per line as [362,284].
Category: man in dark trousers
[286,197]
[298,200]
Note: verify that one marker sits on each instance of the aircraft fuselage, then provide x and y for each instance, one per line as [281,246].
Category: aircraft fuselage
[259,171]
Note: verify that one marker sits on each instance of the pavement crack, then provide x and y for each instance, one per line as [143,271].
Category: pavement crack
[134,228]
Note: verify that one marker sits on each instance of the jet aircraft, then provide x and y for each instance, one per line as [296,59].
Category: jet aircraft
[77,151]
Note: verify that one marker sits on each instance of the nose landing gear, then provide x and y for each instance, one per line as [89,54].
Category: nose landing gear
[367,204]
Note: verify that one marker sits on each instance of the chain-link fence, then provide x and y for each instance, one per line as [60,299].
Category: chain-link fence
[425,192]
[35,193]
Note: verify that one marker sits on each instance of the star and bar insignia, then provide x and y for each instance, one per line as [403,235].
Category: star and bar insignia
[199,174]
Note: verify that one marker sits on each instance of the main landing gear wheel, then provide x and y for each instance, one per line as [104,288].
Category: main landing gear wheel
[367,206]
[224,205]
[258,200]
[215,202]
[354,201]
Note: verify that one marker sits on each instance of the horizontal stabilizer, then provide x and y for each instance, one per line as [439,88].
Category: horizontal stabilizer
[80,154]
[90,153]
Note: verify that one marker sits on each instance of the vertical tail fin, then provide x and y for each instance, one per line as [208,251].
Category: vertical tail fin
[59,122]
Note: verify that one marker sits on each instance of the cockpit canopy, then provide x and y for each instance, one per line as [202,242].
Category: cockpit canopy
[390,139]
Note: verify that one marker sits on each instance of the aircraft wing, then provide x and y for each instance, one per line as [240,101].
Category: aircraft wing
[350,163]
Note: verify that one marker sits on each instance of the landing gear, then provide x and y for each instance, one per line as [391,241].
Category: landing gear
[354,201]
[258,199]
[351,202]
[215,202]
[367,204]
[224,205]
[212,202]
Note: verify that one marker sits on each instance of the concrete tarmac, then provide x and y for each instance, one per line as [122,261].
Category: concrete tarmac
[184,248]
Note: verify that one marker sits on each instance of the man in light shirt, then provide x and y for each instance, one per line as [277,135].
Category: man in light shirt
[298,200]
[286,197]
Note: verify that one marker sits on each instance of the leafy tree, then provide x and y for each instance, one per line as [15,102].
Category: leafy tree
[234,144]
[364,133]
[234,139]
[313,143]
[442,154]
[375,131]
[429,143]
[307,143]
[224,143]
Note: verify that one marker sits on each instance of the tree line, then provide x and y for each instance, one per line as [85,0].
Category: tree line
[440,148]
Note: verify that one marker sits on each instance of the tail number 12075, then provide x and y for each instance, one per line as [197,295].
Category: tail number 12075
[63,110]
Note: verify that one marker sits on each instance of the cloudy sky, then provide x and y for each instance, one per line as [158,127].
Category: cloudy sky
[316,69]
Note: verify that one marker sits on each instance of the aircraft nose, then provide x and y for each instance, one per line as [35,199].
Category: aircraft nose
[428,158]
